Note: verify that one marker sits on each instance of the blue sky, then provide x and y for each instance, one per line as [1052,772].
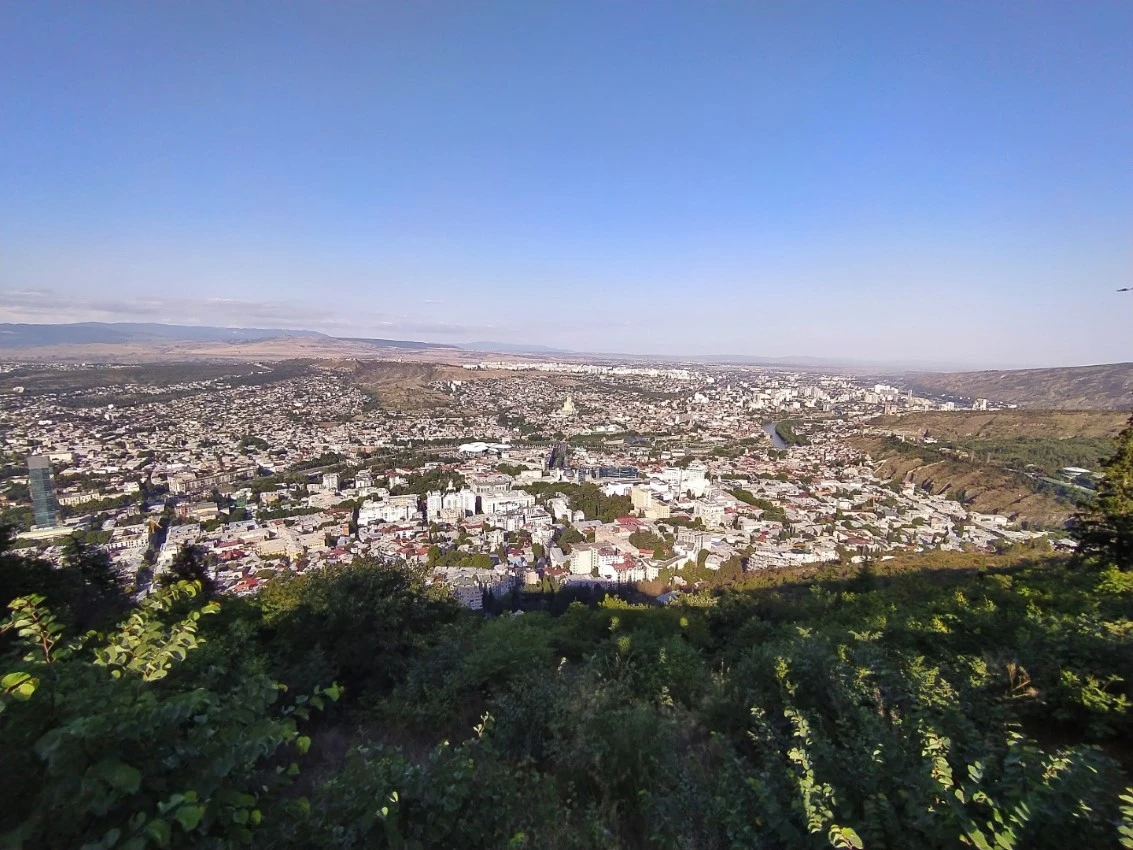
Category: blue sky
[948,181]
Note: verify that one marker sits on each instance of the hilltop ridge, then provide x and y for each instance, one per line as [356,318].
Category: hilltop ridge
[1102,387]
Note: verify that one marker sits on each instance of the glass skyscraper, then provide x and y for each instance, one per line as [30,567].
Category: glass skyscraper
[42,492]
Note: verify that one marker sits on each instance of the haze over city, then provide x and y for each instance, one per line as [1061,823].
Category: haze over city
[941,182]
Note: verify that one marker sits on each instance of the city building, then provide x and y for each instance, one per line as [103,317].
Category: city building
[42,489]
[584,559]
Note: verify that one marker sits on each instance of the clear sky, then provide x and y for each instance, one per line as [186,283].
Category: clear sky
[932,181]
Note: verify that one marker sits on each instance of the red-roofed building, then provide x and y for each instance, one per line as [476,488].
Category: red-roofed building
[627,571]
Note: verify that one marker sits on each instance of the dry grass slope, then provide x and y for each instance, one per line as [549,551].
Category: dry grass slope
[1106,387]
[1004,424]
[403,386]
[986,488]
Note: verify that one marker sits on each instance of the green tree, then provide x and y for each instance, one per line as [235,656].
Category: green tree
[107,743]
[84,594]
[21,575]
[96,596]
[191,563]
[1106,530]
[645,540]
[569,536]
[91,563]
[480,561]
[362,624]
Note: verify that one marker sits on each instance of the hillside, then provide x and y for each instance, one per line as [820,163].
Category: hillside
[135,342]
[916,705]
[1004,424]
[129,342]
[1105,387]
[401,386]
[19,336]
[251,351]
[983,487]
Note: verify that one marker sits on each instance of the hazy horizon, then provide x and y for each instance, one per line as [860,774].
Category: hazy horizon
[944,182]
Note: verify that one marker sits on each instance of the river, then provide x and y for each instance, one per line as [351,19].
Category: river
[776,440]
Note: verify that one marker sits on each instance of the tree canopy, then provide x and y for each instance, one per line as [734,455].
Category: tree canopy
[1106,530]
[975,701]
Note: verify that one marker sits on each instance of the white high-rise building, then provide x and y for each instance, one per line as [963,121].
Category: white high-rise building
[467,501]
[434,503]
[330,481]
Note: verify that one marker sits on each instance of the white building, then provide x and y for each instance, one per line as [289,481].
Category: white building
[694,479]
[394,509]
[583,559]
[469,585]
[508,502]
[559,507]
[129,537]
[710,512]
[463,501]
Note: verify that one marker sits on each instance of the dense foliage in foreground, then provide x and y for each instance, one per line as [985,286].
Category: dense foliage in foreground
[987,708]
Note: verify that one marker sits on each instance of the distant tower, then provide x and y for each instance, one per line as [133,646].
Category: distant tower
[42,492]
[568,407]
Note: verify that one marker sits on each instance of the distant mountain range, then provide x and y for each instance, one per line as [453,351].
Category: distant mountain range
[17,336]
[111,333]
[841,364]
[512,348]
[21,336]
[1105,387]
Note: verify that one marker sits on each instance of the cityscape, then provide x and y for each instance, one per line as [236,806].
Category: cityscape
[542,475]
[582,425]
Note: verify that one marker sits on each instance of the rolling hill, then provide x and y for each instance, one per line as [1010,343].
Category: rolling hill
[130,342]
[136,342]
[981,487]
[1103,387]
[17,336]
[1004,424]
